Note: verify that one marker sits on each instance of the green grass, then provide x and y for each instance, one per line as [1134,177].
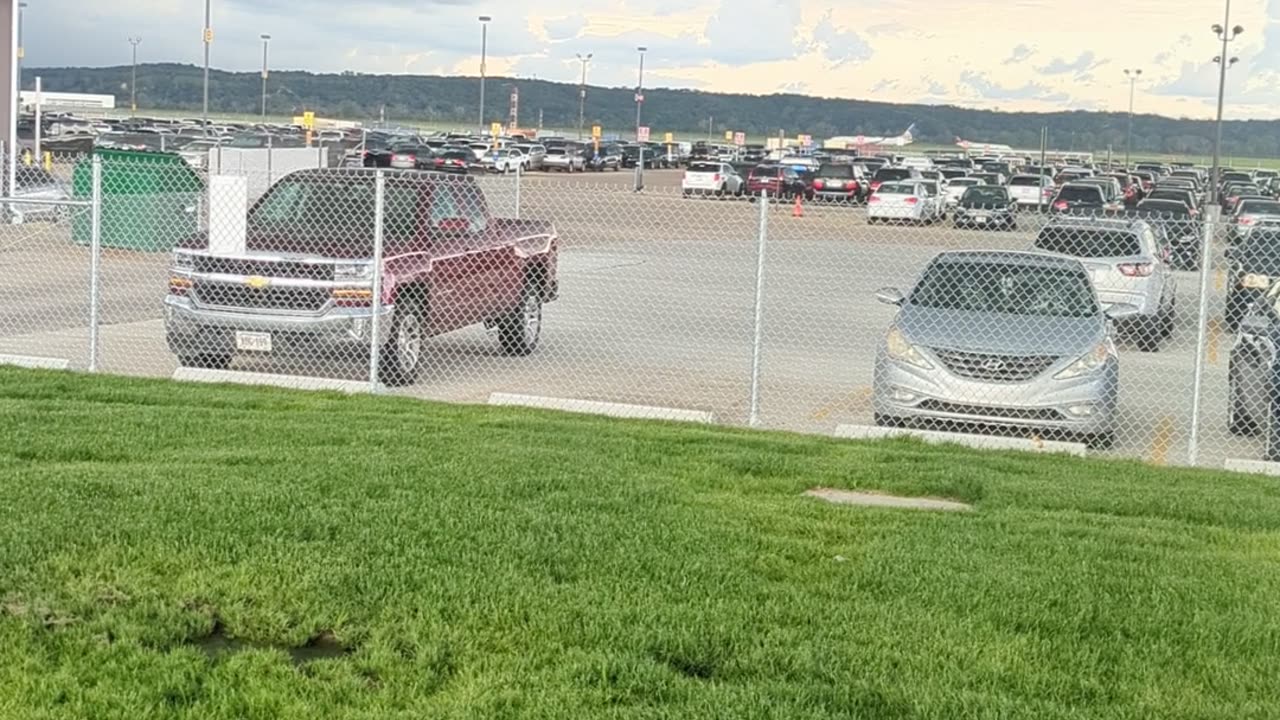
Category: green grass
[501,563]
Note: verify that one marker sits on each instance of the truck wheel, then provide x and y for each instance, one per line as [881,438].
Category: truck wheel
[401,360]
[206,361]
[520,329]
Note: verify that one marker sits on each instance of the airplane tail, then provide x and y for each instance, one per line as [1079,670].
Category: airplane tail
[907,135]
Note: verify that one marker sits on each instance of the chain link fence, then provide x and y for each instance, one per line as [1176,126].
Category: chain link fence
[1142,337]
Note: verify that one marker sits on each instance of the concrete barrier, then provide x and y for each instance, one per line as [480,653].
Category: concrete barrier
[981,442]
[293,382]
[592,407]
[35,363]
[1253,467]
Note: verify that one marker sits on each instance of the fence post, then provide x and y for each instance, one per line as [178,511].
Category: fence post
[95,261]
[375,322]
[758,334]
[519,177]
[640,170]
[1206,258]
[270,155]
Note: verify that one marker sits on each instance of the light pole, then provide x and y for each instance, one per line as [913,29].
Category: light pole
[265,40]
[1133,76]
[582,93]
[1223,63]
[484,54]
[640,90]
[208,41]
[133,78]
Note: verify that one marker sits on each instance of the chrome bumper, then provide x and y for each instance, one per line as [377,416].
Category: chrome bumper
[192,329]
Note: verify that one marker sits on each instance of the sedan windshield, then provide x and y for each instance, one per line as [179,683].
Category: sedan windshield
[1007,288]
[986,195]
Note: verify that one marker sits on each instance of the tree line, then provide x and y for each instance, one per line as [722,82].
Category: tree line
[432,99]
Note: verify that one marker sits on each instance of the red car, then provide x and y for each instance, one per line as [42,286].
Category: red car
[778,181]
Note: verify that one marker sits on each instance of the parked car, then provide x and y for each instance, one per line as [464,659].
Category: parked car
[1129,265]
[711,178]
[504,160]
[893,174]
[1174,194]
[1113,199]
[609,157]
[1079,199]
[991,178]
[1181,227]
[986,206]
[301,285]
[957,187]
[776,181]
[1253,373]
[566,158]
[1233,191]
[631,155]
[453,161]
[1252,214]
[1000,339]
[34,184]
[533,153]
[840,182]
[1254,268]
[1031,190]
[907,201]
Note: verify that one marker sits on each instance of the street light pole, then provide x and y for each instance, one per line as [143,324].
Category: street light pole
[484,54]
[582,93]
[640,90]
[265,40]
[133,78]
[1133,76]
[22,48]
[1223,63]
[208,41]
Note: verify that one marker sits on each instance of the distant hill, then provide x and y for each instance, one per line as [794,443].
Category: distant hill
[454,99]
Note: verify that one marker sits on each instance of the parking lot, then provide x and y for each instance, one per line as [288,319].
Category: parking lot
[657,307]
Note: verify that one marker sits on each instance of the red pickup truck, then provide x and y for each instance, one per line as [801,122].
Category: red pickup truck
[303,284]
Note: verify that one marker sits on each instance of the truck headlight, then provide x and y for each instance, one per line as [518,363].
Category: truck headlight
[1253,280]
[353,271]
[1088,363]
[183,261]
[900,349]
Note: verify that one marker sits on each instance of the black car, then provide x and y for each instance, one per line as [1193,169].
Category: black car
[840,182]
[631,156]
[455,161]
[1253,372]
[1180,225]
[1079,199]
[984,206]
[1254,269]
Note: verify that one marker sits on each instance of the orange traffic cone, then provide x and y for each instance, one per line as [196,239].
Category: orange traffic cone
[798,209]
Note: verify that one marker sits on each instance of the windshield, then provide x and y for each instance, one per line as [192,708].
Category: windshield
[1164,207]
[1007,288]
[985,195]
[836,171]
[1259,207]
[1079,193]
[704,168]
[896,189]
[1089,242]
[556,151]
[964,182]
[333,202]
[1025,180]
[884,174]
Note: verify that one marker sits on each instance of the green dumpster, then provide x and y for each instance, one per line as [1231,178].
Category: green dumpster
[150,200]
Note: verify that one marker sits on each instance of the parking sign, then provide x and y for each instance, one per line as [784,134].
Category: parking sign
[669,138]
[596,131]
[495,129]
[739,139]
[642,133]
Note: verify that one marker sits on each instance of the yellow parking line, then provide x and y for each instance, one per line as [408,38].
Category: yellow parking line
[1214,339]
[1219,280]
[1162,441]
[862,394]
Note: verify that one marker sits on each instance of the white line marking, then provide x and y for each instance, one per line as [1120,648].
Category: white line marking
[592,407]
[981,442]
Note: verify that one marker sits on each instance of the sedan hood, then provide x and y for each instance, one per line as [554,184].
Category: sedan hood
[1000,333]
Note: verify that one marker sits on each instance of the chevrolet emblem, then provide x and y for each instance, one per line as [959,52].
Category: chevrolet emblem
[257,282]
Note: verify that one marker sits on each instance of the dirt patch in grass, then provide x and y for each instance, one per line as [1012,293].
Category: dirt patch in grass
[219,644]
[866,499]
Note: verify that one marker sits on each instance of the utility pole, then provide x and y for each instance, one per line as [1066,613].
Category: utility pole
[582,93]
[640,90]
[266,39]
[484,52]
[208,41]
[1133,76]
[1223,63]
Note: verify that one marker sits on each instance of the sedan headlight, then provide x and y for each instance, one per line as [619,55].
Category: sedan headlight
[183,261]
[1088,363]
[1253,280]
[353,271]
[900,349]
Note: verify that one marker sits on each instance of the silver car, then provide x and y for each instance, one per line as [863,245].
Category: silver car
[1002,339]
[1129,265]
[35,184]
[564,159]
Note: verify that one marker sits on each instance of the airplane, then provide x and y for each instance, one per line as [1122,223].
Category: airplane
[849,141]
[982,147]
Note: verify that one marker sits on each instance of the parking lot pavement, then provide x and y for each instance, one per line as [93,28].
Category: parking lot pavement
[657,308]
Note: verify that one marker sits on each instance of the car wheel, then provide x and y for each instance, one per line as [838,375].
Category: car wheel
[400,361]
[1147,334]
[206,361]
[1169,322]
[521,328]
[1100,441]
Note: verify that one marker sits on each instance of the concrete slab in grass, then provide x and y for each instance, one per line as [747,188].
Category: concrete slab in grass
[981,442]
[592,407]
[293,382]
[34,362]
[1254,467]
[865,499]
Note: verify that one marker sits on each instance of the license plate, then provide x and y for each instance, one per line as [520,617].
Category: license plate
[981,217]
[253,341]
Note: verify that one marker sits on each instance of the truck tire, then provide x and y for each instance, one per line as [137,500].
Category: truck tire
[520,329]
[400,362]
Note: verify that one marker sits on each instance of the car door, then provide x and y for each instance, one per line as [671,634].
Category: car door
[454,291]
[498,280]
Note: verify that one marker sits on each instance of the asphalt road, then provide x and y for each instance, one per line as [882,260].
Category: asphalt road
[657,308]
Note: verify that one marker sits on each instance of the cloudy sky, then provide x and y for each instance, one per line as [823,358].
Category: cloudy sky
[1006,54]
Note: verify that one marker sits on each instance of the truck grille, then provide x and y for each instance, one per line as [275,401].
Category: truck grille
[998,368]
[242,297]
[292,269]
